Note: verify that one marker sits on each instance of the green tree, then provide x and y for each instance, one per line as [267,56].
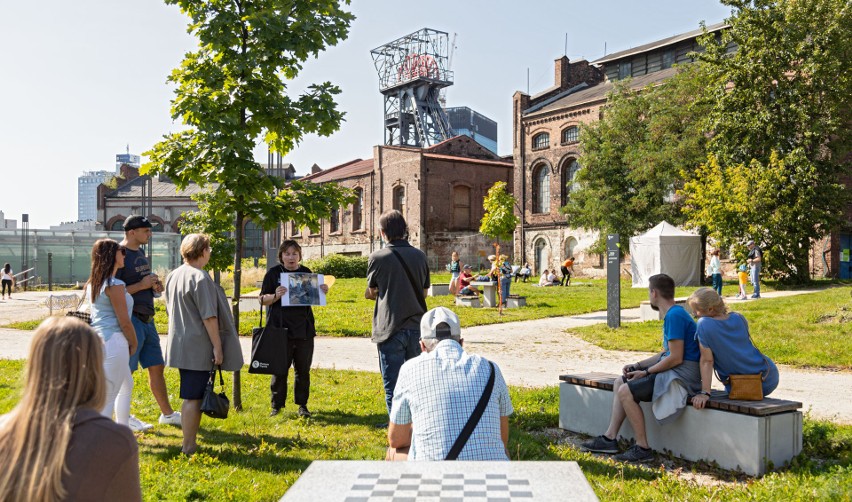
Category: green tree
[232,93]
[499,220]
[634,156]
[781,108]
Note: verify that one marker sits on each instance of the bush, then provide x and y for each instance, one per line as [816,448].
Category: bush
[341,267]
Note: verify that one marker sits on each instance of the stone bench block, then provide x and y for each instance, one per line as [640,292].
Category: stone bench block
[439,289]
[514,302]
[468,301]
[735,441]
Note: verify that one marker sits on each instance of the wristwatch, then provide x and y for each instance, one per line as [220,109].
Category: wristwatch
[705,393]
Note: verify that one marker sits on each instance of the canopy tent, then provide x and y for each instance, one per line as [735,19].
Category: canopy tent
[666,249]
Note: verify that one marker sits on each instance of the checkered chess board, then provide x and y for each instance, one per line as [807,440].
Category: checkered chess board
[442,487]
[379,481]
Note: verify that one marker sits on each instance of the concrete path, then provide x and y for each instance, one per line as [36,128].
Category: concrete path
[530,353]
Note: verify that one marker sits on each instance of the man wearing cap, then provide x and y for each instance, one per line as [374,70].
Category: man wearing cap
[398,280]
[755,260]
[437,393]
[465,279]
[142,284]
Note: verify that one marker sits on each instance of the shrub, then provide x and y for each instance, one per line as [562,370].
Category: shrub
[339,266]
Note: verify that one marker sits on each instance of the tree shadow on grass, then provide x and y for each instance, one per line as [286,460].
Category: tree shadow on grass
[339,417]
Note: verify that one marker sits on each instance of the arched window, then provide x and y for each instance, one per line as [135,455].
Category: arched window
[570,135]
[252,240]
[541,189]
[117,225]
[542,256]
[570,244]
[357,209]
[541,140]
[399,199]
[334,221]
[461,207]
[569,175]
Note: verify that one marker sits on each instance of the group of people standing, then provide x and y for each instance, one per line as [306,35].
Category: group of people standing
[746,272]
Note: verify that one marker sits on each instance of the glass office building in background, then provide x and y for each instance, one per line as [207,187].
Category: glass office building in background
[475,125]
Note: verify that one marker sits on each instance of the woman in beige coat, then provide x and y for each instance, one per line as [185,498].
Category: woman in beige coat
[201,332]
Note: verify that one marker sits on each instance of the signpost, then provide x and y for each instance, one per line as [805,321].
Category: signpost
[613,281]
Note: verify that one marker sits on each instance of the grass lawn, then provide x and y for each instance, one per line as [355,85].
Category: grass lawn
[251,456]
[813,330]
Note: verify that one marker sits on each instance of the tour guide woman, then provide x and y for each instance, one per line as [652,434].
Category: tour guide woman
[726,345]
[201,331]
[299,322]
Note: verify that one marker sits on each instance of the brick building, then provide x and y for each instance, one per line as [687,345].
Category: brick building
[547,154]
[439,189]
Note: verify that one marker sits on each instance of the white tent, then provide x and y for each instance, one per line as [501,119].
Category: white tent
[666,249]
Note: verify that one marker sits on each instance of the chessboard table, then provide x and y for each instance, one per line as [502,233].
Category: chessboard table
[379,481]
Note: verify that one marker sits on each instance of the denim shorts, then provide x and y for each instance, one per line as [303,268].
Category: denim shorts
[149,353]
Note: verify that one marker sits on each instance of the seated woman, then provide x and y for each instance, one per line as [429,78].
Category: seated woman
[726,346]
[544,280]
[55,444]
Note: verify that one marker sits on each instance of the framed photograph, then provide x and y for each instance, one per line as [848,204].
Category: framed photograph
[302,290]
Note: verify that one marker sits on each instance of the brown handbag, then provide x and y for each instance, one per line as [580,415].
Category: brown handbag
[746,387]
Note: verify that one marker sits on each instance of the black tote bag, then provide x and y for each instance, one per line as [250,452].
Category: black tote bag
[268,349]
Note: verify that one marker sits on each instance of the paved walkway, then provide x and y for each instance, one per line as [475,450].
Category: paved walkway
[530,353]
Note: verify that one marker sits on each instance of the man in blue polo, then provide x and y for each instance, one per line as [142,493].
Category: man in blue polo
[142,284]
[437,392]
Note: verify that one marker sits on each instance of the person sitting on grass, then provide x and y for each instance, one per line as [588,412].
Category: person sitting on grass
[668,378]
[726,346]
[437,393]
[543,280]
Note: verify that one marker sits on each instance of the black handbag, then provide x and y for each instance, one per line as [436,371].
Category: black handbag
[212,404]
[268,348]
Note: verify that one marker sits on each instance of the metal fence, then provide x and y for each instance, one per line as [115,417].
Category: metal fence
[70,252]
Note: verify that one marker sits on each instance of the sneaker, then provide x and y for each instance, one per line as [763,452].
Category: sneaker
[137,425]
[173,419]
[636,454]
[303,411]
[600,444]
[755,296]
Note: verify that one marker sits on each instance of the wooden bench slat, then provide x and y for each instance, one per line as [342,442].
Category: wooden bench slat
[718,400]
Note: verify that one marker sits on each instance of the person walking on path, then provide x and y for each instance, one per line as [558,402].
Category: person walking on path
[143,284]
[8,279]
[299,323]
[398,280]
[566,269]
[673,373]
[715,270]
[755,261]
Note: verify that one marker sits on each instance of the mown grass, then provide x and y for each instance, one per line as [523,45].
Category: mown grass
[813,330]
[251,456]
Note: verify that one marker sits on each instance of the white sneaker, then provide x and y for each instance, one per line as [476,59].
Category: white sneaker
[173,419]
[137,425]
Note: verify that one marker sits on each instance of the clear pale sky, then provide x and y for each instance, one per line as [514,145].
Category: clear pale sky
[79,80]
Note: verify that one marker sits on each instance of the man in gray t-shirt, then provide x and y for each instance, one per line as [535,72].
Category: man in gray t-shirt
[400,300]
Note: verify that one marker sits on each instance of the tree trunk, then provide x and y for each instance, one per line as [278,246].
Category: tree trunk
[235,302]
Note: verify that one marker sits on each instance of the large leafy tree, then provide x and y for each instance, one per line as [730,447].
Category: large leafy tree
[499,220]
[780,119]
[232,93]
[633,157]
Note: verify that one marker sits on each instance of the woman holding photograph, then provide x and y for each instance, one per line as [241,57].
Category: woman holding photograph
[299,322]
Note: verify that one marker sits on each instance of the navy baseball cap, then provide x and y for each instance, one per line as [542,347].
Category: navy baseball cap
[133,222]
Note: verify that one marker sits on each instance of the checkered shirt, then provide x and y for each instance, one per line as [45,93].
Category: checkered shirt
[437,392]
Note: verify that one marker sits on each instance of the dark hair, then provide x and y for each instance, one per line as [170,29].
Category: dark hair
[7,268]
[393,225]
[103,263]
[287,244]
[715,252]
[664,285]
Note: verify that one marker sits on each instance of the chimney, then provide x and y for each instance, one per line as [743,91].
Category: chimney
[561,72]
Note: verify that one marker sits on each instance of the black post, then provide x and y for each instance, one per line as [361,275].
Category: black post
[613,281]
[50,271]
[25,247]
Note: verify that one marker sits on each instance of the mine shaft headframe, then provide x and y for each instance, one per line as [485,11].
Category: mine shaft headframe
[422,55]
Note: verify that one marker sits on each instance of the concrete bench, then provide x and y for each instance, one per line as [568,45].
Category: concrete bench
[751,436]
[440,289]
[646,313]
[515,301]
[468,301]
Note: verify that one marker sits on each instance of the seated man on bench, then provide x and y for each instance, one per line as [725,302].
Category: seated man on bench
[667,379]
[465,289]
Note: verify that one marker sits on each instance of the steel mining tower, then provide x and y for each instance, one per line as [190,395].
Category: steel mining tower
[412,71]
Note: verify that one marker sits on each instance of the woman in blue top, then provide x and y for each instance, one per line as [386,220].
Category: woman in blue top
[726,346]
[111,308]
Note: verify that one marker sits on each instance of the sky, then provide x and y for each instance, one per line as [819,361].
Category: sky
[81,80]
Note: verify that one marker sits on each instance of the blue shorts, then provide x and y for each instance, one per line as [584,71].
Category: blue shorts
[193,383]
[148,353]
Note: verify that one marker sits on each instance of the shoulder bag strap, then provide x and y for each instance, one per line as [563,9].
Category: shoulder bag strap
[474,418]
[418,292]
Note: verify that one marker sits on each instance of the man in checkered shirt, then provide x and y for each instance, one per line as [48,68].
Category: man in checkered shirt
[437,392]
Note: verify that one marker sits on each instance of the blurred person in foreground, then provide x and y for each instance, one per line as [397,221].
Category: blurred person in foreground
[201,332]
[55,444]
